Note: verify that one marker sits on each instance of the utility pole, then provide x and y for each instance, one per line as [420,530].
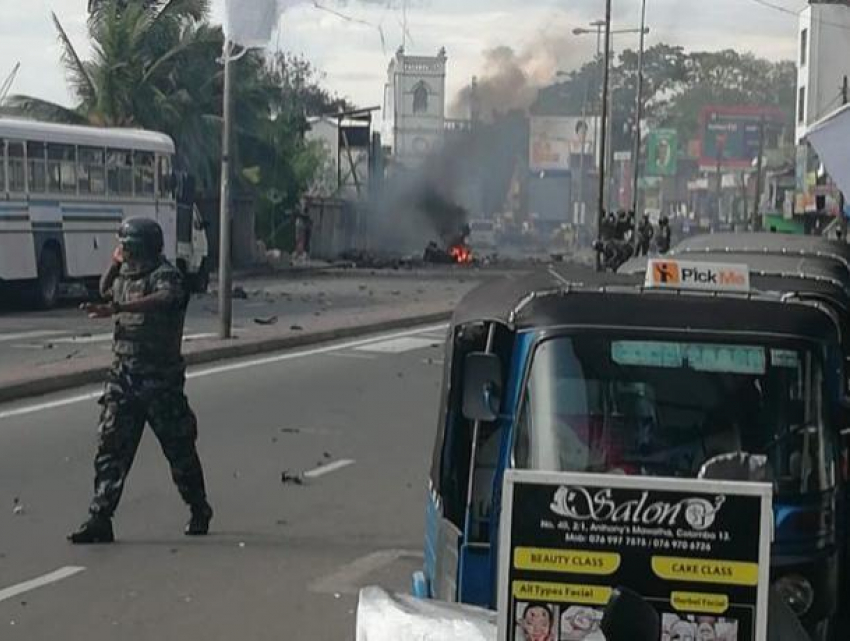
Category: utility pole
[603,136]
[721,143]
[225,275]
[759,186]
[579,216]
[845,99]
[637,128]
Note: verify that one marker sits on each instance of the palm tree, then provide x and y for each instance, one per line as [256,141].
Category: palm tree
[153,66]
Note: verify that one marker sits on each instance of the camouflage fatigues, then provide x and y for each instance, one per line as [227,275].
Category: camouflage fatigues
[145,385]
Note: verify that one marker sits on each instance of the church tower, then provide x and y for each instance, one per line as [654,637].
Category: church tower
[415,108]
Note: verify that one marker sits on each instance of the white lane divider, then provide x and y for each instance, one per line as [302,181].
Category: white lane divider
[105,338]
[221,369]
[62,402]
[327,469]
[36,333]
[397,345]
[39,582]
[357,355]
[287,356]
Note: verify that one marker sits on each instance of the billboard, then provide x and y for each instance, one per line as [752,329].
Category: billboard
[554,139]
[698,551]
[731,134]
[662,151]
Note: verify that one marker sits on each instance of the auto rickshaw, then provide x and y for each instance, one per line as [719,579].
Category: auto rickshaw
[821,277]
[751,243]
[573,370]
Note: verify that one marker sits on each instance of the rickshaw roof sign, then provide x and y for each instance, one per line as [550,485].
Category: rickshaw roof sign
[694,275]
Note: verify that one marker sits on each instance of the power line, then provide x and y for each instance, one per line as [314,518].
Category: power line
[777,7]
[351,19]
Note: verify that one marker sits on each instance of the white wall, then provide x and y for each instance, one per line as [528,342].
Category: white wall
[827,60]
[415,135]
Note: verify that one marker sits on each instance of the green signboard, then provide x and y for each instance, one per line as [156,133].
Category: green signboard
[662,152]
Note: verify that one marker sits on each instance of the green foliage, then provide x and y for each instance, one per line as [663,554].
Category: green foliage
[155,64]
[677,85]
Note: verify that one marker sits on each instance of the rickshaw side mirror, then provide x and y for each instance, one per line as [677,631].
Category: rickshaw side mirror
[482,386]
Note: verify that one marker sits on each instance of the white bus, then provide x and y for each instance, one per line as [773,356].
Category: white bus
[64,191]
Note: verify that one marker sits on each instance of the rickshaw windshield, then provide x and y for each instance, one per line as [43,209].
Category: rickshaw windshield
[664,408]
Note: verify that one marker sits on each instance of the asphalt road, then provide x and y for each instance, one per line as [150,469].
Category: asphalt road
[284,561]
[35,340]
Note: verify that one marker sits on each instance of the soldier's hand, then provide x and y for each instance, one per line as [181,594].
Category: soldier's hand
[97,310]
[117,255]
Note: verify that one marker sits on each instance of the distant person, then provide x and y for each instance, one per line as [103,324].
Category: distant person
[664,238]
[300,237]
[646,232]
[308,234]
[608,229]
[147,298]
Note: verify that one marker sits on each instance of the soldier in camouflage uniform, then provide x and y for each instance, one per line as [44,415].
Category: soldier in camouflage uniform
[146,296]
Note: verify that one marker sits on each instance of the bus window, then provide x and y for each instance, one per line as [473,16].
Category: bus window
[17,180]
[37,160]
[91,174]
[143,174]
[62,168]
[165,185]
[119,172]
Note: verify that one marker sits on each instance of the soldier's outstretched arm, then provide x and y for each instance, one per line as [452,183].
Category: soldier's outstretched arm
[150,303]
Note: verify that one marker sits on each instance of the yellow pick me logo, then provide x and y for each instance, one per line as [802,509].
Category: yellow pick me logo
[566,561]
[706,571]
[697,275]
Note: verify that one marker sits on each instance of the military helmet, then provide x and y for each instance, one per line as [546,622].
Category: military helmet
[142,235]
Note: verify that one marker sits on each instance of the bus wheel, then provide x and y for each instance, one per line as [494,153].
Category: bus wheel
[45,291]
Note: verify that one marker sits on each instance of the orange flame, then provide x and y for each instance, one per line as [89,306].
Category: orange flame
[461,254]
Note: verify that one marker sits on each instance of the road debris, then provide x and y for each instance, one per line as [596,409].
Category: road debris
[287,478]
[271,320]
[240,293]
[296,328]
[17,507]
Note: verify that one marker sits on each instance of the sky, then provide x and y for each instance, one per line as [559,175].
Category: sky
[353,53]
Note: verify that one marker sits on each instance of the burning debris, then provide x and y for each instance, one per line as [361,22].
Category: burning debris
[462,254]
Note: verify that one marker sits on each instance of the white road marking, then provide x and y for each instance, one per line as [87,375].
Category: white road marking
[441,338]
[36,333]
[39,582]
[84,340]
[198,337]
[327,469]
[363,357]
[105,338]
[338,347]
[62,402]
[221,369]
[397,345]
[351,577]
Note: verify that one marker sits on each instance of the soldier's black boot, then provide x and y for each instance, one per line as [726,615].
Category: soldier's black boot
[199,523]
[98,529]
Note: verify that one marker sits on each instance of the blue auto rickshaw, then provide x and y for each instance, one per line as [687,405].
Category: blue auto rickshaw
[573,370]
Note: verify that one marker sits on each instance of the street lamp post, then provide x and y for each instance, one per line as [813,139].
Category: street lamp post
[638,117]
[600,213]
[600,27]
